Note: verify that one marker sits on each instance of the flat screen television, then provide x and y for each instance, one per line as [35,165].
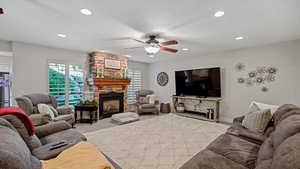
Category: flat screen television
[198,82]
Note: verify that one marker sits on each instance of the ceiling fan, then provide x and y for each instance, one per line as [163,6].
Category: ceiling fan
[1,11]
[152,46]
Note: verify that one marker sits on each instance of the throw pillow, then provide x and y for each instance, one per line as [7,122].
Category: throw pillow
[151,98]
[45,109]
[55,112]
[257,121]
[143,100]
[255,106]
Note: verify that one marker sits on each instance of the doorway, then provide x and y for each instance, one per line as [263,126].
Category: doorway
[5,84]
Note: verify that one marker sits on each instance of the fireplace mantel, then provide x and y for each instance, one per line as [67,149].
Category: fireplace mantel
[102,82]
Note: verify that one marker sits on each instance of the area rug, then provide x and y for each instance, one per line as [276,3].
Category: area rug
[163,142]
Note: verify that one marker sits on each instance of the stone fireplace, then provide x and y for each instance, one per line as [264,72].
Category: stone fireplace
[111,103]
[109,84]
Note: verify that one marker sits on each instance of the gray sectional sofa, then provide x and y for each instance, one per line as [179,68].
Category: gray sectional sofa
[19,150]
[239,148]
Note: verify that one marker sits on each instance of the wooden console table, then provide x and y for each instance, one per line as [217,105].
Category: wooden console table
[200,108]
[91,109]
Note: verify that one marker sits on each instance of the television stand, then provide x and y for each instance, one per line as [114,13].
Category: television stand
[201,108]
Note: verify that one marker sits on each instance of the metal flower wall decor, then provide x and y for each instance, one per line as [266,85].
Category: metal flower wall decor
[260,77]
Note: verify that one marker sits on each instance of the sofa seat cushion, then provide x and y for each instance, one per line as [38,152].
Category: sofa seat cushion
[148,106]
[66,117]
[43,153]
[67,135]
[208,159]
[236,149]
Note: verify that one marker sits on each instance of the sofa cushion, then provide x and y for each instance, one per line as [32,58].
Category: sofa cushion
[14,153]
[148,106]
[54,111]
[236,149]
[255,106]
[31,141]
[257,121]
[240,131]
[144,93]
[65,117]
[68,135]
[45,109]
[208,159]
[39,98]
[143,100]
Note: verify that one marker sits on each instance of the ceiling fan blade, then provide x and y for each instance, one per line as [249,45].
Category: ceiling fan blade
[171,42]
[1,11]
[169,49]
[139,40]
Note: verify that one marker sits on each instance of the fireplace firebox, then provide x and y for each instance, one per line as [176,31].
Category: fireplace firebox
[111,103]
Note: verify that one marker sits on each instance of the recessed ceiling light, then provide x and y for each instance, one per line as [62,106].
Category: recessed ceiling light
[185,49]
[86,11]
[219,13]
[239,38]
[61,35]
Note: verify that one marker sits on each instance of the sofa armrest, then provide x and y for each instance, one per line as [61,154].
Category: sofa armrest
[64,110]
[238,119]
[51,128]
[40,119]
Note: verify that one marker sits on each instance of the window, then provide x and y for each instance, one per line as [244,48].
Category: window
[135,85]
[65,83]
[76,84]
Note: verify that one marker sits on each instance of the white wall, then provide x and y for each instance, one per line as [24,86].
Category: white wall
[236,97]
[30,66]
[144,68]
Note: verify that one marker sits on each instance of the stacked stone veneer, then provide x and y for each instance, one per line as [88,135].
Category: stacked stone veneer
[96,62]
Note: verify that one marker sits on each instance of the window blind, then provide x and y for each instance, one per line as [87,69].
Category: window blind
[135,84]
[65,83]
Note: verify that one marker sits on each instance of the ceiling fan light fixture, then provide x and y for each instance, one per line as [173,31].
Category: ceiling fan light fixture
[86,11]
[185,49]
[219,14]
[151,49]
[239,38]
[62,35]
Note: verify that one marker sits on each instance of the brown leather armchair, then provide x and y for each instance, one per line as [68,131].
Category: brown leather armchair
[28,103]
[143,104]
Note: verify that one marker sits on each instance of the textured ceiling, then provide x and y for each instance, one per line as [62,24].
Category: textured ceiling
[191,22]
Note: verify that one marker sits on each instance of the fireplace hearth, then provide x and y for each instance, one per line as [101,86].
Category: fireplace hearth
[111,103]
